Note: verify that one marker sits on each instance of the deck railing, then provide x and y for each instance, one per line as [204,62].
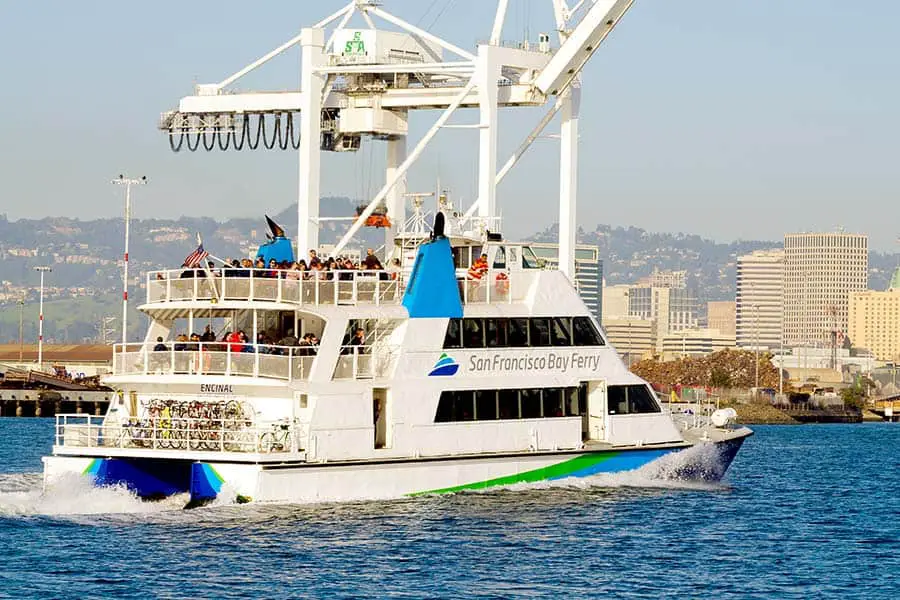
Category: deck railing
[324,287]
[365,362]
[293,287]
[214,358]
[181,434]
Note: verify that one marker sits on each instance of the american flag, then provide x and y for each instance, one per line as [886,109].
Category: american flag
[195,258]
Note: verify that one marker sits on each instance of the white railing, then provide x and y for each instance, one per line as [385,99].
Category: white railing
[495,286]
[181,434]
[365,362]
[324,287]
[214,358]
[294,287]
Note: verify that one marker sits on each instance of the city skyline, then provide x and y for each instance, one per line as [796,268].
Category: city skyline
[786,122]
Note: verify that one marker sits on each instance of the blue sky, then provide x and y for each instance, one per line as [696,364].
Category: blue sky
[741,119]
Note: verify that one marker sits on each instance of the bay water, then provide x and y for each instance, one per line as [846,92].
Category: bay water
[805,512]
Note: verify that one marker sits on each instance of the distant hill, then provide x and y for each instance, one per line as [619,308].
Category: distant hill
[86,278]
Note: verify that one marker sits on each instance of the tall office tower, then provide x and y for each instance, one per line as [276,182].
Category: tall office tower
[875,321]
[820,271]
[758,300]
[721,315]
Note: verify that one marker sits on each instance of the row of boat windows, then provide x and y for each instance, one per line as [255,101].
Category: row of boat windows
[490,405]
[543,403]
[532,332]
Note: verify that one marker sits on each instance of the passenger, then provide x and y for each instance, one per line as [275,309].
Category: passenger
[211,268]
[181,343]
[394,268]
[160,346]
[273,269]
[234,341]
[478,268]
[313,259]
[371,261]
[358,341]
[245,342]
[208,335]
[289,339]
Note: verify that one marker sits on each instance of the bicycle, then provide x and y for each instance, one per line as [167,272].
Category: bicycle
[276,440]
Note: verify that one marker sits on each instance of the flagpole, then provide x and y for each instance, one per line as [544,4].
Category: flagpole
[127,183]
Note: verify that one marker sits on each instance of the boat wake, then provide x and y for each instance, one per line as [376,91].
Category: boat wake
[22,495]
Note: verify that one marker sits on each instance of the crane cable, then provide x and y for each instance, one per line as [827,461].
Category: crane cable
[283,135]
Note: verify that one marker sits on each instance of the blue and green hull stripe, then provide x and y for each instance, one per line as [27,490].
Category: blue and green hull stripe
[153,478]
[583,465]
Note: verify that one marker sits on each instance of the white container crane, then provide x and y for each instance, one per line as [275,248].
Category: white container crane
[361,82]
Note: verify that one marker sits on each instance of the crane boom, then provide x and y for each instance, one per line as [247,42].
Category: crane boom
[580,45]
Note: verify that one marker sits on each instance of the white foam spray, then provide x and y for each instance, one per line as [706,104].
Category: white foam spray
[69,495]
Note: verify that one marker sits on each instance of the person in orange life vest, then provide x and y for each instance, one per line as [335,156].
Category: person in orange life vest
[479,267]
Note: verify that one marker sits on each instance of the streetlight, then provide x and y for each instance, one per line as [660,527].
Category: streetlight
[21,303]
[756,347]
[41,270]
[127,182]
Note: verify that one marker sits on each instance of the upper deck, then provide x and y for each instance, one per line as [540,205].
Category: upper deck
[320,288]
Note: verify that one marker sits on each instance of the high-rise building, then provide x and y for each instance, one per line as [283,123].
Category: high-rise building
[759,299]
[820,272]
[673,309]
[588,271]
[632,337]
[721,315]
[874,321]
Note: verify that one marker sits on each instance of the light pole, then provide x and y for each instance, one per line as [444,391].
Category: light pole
[127,182]
[21,304]
[41,270]
[756,347]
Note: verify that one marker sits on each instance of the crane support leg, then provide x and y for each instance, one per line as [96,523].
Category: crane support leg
[312,86]
[487,72]
[568,178]
[396,154]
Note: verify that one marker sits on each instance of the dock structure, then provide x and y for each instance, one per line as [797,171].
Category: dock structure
[68,380]
[888,408]
[48,403]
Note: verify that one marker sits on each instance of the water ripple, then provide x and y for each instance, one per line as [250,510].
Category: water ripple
[805,512]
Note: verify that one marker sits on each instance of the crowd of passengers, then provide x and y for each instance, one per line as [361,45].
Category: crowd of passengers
[340,268]
[238,341]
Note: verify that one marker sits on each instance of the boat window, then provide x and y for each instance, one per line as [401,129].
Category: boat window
[570,396]
[473,333]
[508,404]
[453,339]
[485,405]
[531,404]
[495,331]
[518,333]
[491,405]
[560,328]
[500,258]
[529,260]
[552,401]
[630,399]
[540,332]
[522,332]
[585,333]
[455,405]
[513,255]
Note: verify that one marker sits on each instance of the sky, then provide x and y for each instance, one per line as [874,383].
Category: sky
[740,119]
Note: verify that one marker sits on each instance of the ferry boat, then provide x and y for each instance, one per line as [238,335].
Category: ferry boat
[470,365]
[464,381]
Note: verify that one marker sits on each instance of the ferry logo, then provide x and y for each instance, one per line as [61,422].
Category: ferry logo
[444,367]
